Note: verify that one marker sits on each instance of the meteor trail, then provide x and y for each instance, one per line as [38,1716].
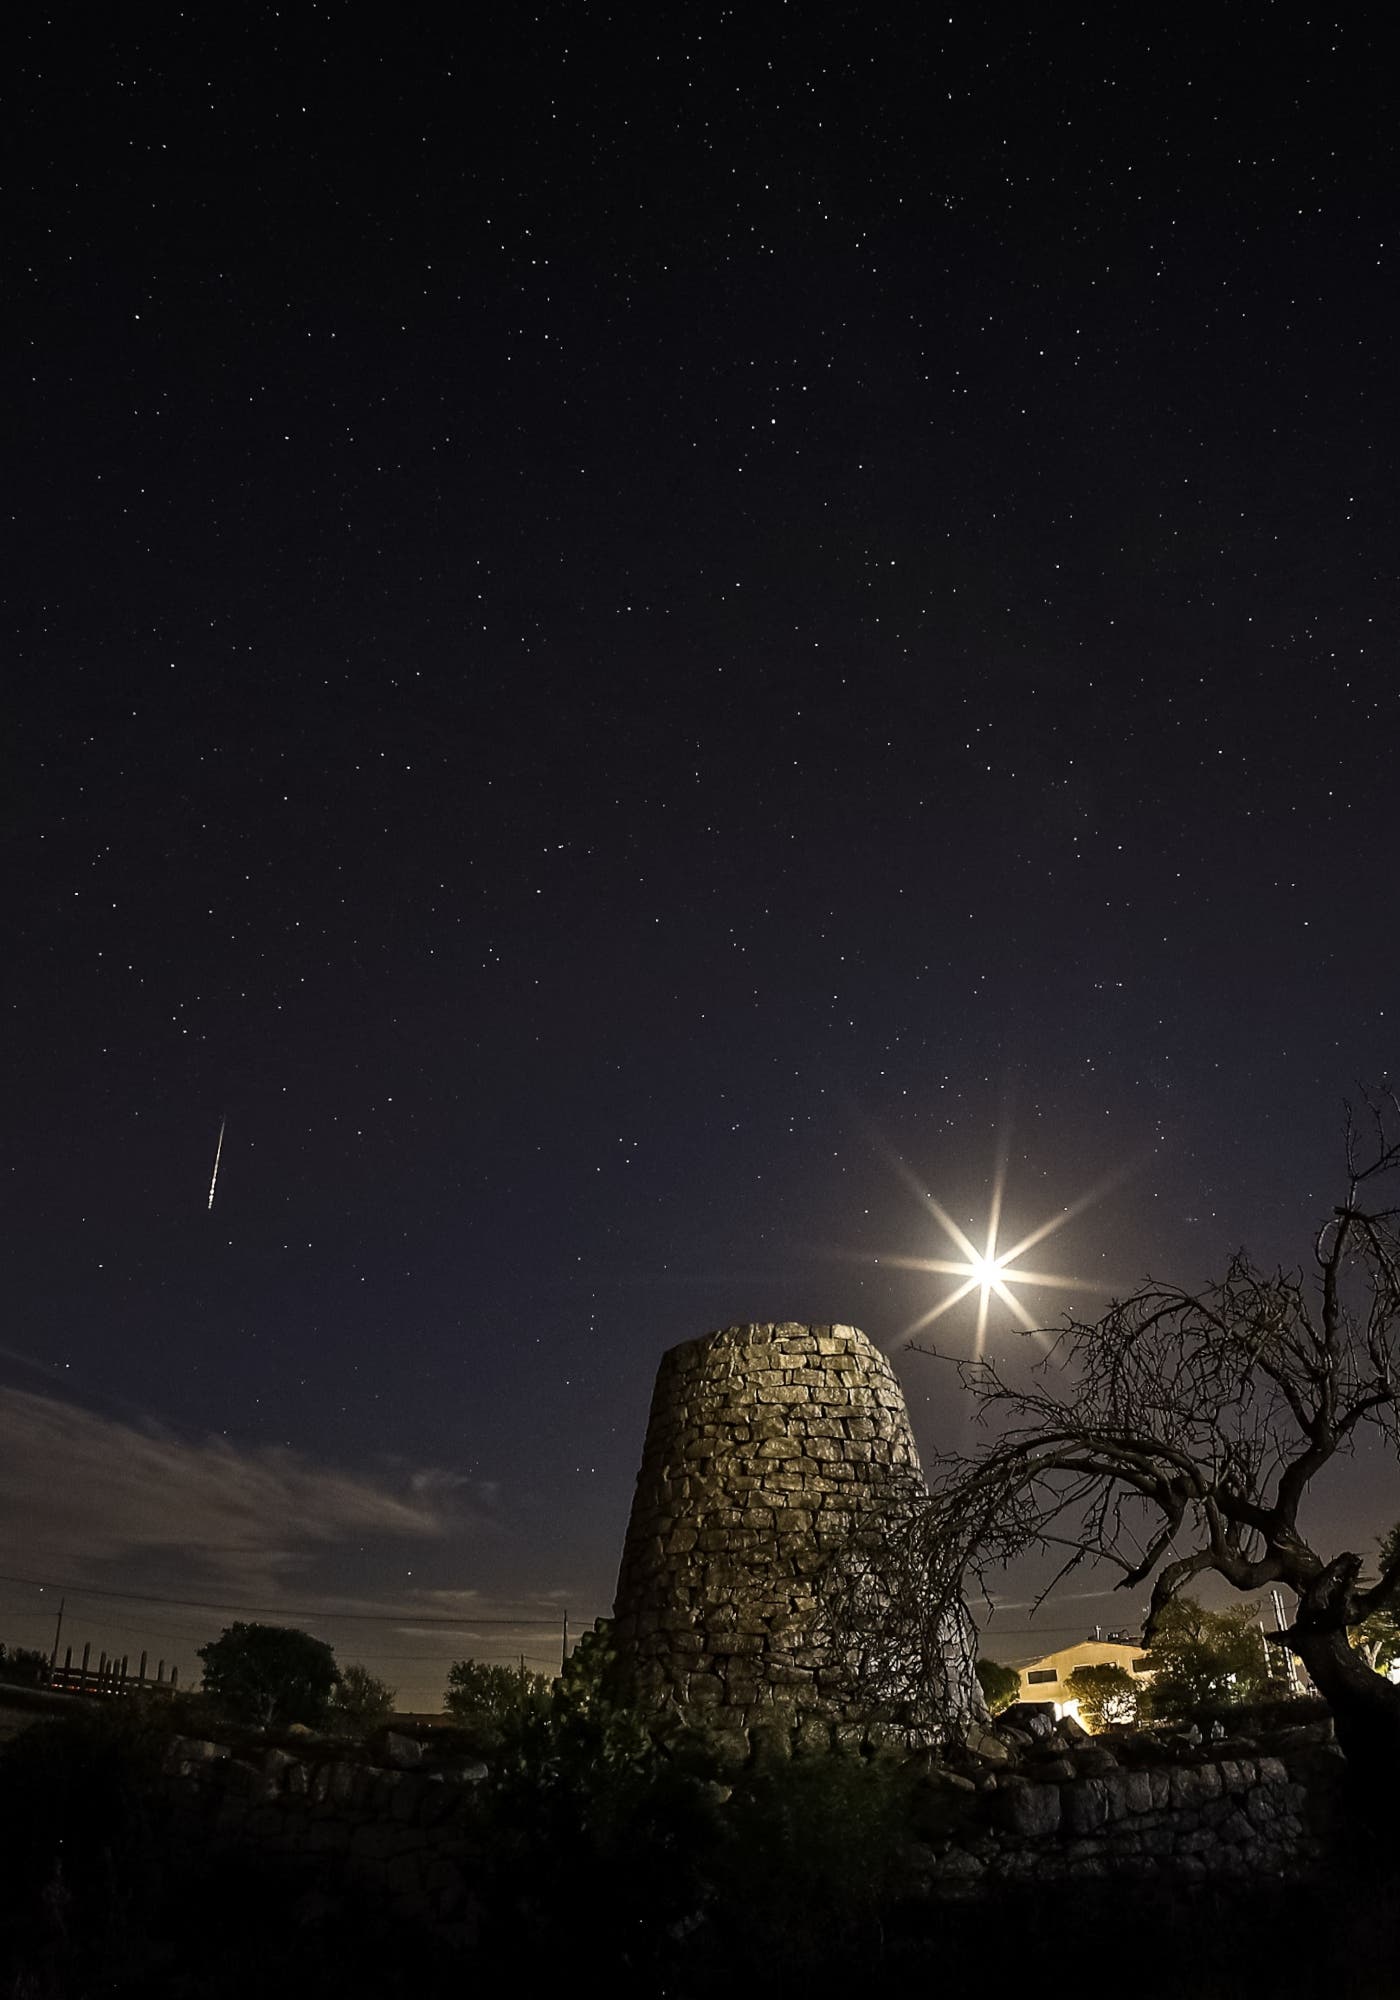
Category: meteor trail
[217,1151]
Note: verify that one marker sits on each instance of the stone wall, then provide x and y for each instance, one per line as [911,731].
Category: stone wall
[408,1839]
[767,1445]
[1245,1817]
[398,1836]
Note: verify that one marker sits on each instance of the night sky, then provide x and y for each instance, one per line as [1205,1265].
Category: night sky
[617,621]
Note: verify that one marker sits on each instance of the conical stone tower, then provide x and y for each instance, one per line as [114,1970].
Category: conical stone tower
[766,1446]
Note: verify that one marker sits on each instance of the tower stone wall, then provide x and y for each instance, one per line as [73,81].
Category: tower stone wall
[767,1445]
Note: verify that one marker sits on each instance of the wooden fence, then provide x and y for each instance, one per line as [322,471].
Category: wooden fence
[111,1675]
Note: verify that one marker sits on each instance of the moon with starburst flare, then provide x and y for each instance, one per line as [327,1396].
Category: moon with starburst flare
[992,1272]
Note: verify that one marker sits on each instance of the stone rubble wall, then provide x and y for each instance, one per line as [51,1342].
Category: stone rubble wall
[767,1445]
[398,1836]
[405,1839]
[1245,1817]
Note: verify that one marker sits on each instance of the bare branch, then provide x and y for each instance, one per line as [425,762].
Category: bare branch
[1179,1433]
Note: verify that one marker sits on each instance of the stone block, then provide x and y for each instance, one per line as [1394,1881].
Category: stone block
[405,1753]
[1084,1806]
[1032,1812]
[194,1750]
[1262,1806]
[1127,1792]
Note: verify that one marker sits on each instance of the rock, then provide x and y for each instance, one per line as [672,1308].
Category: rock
[405,1753]
[940,1777]
[1084,1805]
[772,1744]
[1048,1769]
[1299,1734]
[1094,1759]
[1032,1811]
[196,1750]
[1036,1718]
[960,1866]
[984,1743]
[1128,1792]
[463,1771]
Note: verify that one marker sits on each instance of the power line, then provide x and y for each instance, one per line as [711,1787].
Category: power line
[292,1610]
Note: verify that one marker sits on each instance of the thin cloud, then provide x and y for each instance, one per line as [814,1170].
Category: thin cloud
[89,1491]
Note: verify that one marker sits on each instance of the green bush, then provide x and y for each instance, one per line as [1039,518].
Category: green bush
[1106,1693]
[593,1840]
[361,1703]
[493,1705]
[21,1666]
[1207,1660]
[270,1675]
[1000,1685]
[74,1830]
[816,1851]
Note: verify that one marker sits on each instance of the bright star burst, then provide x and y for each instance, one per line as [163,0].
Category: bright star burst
[991,1272]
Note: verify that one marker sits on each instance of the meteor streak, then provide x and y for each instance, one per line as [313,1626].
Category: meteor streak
[217,1151]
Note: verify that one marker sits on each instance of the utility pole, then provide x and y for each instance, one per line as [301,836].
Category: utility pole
[57,1635]
[564,1650]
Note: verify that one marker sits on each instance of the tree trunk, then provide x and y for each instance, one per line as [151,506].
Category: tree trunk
[1365,1706]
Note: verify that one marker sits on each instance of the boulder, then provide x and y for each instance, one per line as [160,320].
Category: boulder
[1032,1811]
[986,1743]
[405,1753]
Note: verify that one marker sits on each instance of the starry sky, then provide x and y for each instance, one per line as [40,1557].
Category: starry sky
[631,634]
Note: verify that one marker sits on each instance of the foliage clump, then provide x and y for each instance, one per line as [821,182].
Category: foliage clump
[1106,1693]
[361,1702]
[270,1675]
[1377,1637]
[493,1705]
[1000,1685]
[1206,1660]
[21,1666]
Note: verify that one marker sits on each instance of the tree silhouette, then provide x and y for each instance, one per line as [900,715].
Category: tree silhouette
[270,1674]
[1180,1433]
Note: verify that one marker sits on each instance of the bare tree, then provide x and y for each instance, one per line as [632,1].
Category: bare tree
[1181,1432]
[901,1639]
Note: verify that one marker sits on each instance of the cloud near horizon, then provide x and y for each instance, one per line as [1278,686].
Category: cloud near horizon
[84,1490]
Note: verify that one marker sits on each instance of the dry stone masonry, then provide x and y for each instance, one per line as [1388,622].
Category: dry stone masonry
[409,1838]
[766,1447]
